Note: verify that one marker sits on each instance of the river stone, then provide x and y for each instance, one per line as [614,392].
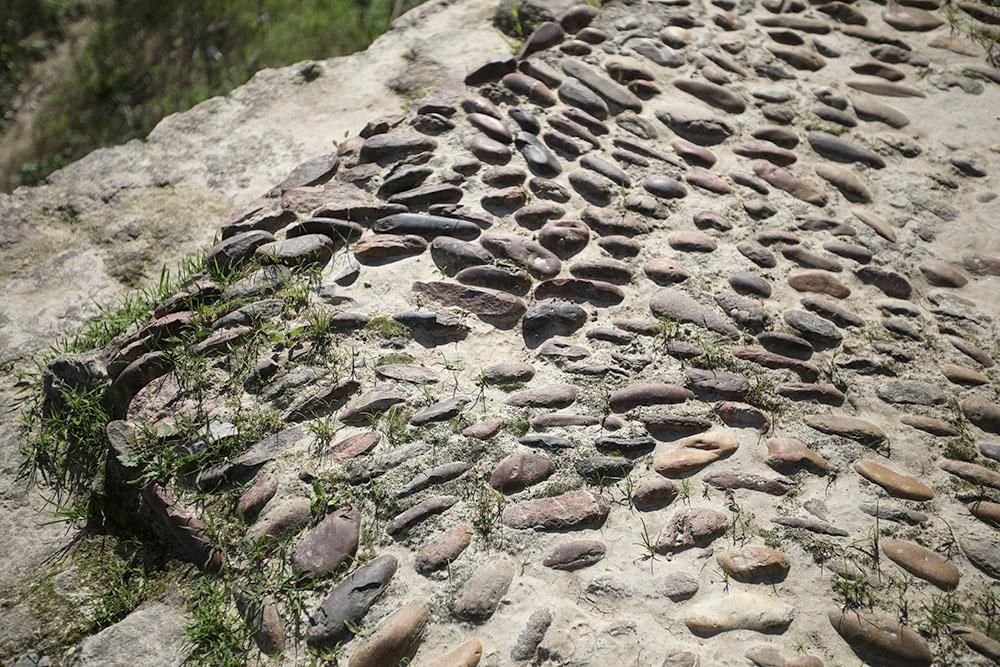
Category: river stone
[531,255]
[575,555]
[554,396]
[547,320]
[982,413]
[571,510]
[717,382]
[848,427]
[466,654]
[498,307]
[769,656]
[922,562]
[691,527]
[813,327]
[680,307]
[881,638]
[153,636]
[373,403]
[480,595]
[972,472]
[437,475]
[978,641]
[754,563]
[694,452]
[983,553]
[533,633]
[782,179]
[426,226]
[717,96]
[840,150]
[407,519]
[733,479]
[894,483]
[443,548]
[282,520]
[617,96]
[787,454]
[329,545]
[694,123]
[653,494]
[902,392]
[623,400]
[910,19]
[520,470]
[395,640]
[349,601]
[738,611]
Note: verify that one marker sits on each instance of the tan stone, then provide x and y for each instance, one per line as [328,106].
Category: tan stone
[815,280]
[397,638]
[894,483]
[986,511]
[962,375]
[922,562]
[784,453]
[881,639]
[972,472]
[739,611]
[695,452]
[466,654]
[754,563]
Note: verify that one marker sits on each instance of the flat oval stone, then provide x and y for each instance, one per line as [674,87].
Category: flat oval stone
[547,320]
[388,248]
[692,527]
[534,257]
[653,494]
[813,327]
[553,396]
[739,611]
[493,307]
[665,188]
[520,470]
[329,545]
[840,150]
[623,400]
[695,123]
[443,549]
[503,278]
[694,452]
[848,427]
[922,562]
[881,638]
[570,510]
[407,519]
[565,238]
[677,306]
[396,639]
[426,226]
[754,563]
[717,96]
[480,595]
[895,484]
[349,601]
[787,454]
[575,555]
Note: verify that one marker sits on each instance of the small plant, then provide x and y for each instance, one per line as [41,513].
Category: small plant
[648,543]
[488,505]
[323,430]
[519,425]
[395,424]
[383,326]
[394,358]
[217,636]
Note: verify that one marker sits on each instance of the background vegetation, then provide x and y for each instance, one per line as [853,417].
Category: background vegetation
[144,60]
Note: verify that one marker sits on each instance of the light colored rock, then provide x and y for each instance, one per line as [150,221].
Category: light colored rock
[738,611]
